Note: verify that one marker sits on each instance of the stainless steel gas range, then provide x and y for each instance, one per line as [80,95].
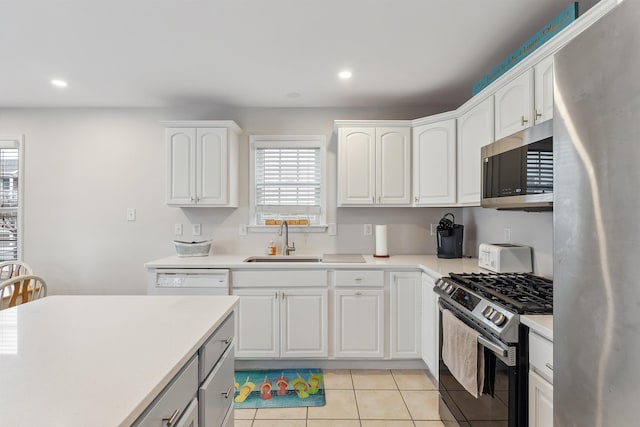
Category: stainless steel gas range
[491,304]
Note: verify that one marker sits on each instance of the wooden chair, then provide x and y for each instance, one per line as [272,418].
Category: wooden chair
[10,269]
[21,289]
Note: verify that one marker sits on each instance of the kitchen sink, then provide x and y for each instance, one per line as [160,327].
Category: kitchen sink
[288,258]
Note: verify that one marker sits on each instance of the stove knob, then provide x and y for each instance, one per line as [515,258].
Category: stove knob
[498,318]
[487,312]
[449,288]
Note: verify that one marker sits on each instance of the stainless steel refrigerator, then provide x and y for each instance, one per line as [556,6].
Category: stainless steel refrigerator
[597,224]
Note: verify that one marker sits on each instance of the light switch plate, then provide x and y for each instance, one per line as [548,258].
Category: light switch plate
[177,229]
[131,214]
[242,229]
[368,229]
[331,229]
[195,230]
[507,235]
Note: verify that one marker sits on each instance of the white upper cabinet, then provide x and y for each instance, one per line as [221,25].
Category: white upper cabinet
[543,87]
[374,166]
[475,129]
[514,105]
[202,163]
[526,100]
[434,164]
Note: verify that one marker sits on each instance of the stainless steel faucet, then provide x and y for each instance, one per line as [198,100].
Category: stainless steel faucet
[286,249]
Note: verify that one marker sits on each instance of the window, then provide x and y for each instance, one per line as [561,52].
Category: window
[10,198]
[288,180]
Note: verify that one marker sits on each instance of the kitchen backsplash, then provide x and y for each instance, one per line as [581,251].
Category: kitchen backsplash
[533,229]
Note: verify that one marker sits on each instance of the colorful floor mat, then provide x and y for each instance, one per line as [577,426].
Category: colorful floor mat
[286,388]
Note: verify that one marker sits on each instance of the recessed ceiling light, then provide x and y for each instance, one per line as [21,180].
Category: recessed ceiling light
[59,83]
[346,74]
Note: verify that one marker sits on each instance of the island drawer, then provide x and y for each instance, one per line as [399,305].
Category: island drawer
[541,356]
[211,351]
[174,399]
[374,278]
[217,391]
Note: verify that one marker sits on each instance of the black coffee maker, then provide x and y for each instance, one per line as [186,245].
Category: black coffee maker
[449,237]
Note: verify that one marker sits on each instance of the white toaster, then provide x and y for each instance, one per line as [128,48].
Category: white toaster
[505,258]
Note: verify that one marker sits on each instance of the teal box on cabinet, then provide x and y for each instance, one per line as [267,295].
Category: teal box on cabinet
[551,29]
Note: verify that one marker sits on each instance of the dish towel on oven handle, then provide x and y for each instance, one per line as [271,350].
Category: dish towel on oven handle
[460,353]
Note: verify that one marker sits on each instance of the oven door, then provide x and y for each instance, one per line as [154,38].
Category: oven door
[501,404]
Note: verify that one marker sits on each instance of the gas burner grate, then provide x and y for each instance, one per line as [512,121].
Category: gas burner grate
[522,293]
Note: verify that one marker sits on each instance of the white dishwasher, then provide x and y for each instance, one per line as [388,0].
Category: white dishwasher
[189,281]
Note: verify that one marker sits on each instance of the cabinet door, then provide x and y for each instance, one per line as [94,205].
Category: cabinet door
[406,311]
[430,325]
[540,401]
[216,392]
[393,166]
[356,166]
[475,129]
[304,315]
[543,87]
[257,323]
[514,104]
[434,164]
[181,162]
[212,166]
[359,323]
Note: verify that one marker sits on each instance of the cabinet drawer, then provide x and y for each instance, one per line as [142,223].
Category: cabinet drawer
[541,356]
[216,393]
[175,397]
[359,278]
[278,278]
[211,351]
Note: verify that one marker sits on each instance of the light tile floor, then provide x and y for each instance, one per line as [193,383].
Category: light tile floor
[359,398]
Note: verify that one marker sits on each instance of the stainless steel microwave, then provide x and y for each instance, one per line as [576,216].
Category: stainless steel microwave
[517,171]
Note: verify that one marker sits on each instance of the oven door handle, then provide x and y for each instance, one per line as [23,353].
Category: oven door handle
[499,350]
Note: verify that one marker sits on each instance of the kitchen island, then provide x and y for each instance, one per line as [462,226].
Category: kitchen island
[98,360]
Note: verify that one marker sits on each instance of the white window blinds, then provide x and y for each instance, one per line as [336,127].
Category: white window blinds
[288,179]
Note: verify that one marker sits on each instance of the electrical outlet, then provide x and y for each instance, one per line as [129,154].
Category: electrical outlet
[195,229]
[507,235]
[368,229]
[434,229]
[131,214]
[177,229]
[331,229]
[242,229]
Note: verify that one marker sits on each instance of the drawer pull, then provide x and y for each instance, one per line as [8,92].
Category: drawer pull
[524,121]
[171,421]
[358,294]
[549,365]
[226,393]
[228,340]
[358,279]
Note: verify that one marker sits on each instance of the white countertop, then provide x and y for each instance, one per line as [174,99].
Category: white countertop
[97,360]
[541,323]
[430,264]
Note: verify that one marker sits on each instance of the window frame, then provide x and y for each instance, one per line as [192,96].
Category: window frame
[17,141]
[288,141]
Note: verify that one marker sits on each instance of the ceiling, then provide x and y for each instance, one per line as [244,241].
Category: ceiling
[258,53]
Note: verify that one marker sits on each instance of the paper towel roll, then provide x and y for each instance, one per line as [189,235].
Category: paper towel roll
[381,241]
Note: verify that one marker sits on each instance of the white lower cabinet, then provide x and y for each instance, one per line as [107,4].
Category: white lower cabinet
[430,325]
[540,381]
[540,401]
[405,311]
[287,322]
[359,323]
